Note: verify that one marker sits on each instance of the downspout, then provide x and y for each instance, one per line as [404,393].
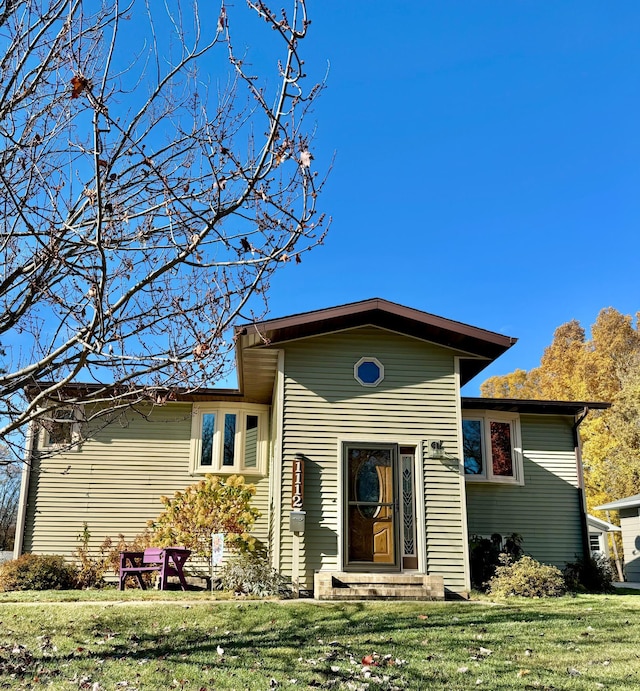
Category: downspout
[582,500]
[24,491]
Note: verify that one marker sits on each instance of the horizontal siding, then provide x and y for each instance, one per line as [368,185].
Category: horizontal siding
[546,509]
[114,482]
[323,402]
[630,525]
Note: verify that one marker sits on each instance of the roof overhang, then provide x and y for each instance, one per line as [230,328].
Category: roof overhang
[599,524]
[476,347]
[516,405]
[626,503]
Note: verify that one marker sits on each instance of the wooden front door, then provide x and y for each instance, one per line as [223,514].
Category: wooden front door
[371,506]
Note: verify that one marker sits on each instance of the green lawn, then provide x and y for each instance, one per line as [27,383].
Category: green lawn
[586,642]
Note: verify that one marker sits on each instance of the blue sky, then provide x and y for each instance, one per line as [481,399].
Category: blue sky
[486,163]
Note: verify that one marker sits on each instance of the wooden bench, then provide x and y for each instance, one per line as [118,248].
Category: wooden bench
[167,561]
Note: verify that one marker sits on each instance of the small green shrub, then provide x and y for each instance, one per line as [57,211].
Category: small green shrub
[249,573]
[592,575]
[527,578]
[37,572]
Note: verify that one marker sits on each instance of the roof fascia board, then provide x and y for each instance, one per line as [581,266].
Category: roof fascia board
[456,351]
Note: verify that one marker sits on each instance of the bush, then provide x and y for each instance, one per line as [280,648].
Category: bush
[249,573]
[110,551]
[37,572]
[90,570]
[213,505]
[485,554]
[527,578]
[593,575]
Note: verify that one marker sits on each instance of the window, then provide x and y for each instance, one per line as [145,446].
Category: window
[369,371]
[61,428]
[594,543]
[491,448]
[229,440]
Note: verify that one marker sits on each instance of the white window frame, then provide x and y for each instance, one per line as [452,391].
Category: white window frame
[240,410]
[486,418]
[377,363]
[75,425]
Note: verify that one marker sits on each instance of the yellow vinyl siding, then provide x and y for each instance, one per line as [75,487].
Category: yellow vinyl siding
[323,403]
[114,482]
[546,509]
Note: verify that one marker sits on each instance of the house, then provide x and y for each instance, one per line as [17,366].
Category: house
[629,511]
[371,470]
[598,540]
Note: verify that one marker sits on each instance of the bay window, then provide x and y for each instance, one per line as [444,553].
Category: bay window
[229,439]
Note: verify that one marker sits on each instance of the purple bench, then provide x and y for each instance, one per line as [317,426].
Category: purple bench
[167,561]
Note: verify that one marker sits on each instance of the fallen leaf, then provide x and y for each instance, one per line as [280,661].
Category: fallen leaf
[423,616]
[523,672]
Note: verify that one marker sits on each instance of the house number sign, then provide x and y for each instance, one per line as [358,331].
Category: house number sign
[297,486]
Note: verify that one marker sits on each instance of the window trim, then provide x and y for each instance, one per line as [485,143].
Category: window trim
[74,422]
[486,418]
[241,410]
[364,360]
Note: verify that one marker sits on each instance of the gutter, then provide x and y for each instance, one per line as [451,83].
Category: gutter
[582,500]
[24,491]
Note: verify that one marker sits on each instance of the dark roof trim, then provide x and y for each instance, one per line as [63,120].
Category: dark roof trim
[99,392]
[479,345]
[516,405]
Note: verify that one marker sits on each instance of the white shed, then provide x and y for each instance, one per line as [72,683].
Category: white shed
[598,541]
[629,510]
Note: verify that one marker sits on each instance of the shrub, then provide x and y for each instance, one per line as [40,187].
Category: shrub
[213,505]
[593,575]
[90,570]
[249,573]
[111,552]
[37,572]
[484,556]
[527,578]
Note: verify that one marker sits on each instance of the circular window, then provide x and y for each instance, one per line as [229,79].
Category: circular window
[369,371]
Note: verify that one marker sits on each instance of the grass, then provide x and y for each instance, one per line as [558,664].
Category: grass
[586,642]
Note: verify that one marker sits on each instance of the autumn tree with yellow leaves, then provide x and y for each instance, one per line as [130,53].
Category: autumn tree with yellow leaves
[212,505]
[605,367]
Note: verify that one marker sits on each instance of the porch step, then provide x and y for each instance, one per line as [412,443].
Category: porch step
[340,585]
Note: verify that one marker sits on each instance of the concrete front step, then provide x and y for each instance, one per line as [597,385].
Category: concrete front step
[340,585]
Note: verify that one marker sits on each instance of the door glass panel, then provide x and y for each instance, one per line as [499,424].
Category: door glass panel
[367,486]
[371,524]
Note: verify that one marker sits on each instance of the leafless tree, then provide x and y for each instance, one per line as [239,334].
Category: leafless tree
[9,490]
[152,179]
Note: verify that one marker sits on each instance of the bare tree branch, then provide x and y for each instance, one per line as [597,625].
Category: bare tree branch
[151,181]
